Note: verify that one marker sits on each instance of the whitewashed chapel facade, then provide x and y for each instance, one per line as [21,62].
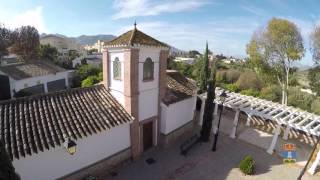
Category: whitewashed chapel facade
[109,123]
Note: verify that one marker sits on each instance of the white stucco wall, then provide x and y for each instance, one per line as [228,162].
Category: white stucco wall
[18,85]
[176,115]
[148,90]
[116,86]
[57,162]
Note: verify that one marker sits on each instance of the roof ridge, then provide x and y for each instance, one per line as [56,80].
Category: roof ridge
[133,34]
[37,96]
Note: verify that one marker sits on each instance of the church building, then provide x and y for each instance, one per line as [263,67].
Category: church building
[72,133]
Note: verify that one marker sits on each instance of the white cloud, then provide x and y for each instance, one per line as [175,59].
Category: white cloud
[32,17]
[132,8]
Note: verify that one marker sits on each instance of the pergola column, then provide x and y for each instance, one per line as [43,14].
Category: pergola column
[203,103]
[215,112]
[248,120]
[235,124]
[315,163]
[286,133]
[274,139]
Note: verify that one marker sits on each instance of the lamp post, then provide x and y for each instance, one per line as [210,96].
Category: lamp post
[222,98]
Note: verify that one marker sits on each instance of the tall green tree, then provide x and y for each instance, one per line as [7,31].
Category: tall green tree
[5,40]
[48,52]
[26,43]
[274,48]
[7,171]
[204,74]
[314,78]
[315,44]
[209,106]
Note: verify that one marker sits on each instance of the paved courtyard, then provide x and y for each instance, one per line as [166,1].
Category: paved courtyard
[202,163]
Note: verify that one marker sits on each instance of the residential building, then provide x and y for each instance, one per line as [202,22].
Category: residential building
[32,77]
[98,46]
[68,134]
[185,60]
[94,59]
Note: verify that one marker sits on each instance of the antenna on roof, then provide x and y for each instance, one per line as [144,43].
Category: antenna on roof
[135,24]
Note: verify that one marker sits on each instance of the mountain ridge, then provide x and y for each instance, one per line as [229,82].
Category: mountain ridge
[85,39]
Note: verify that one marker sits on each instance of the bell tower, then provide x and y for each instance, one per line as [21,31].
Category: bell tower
[134,71]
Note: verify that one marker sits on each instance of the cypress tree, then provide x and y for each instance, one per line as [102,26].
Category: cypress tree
[204,71]
[209,106]
[7,170]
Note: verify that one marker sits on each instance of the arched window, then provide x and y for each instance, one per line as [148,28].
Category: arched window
[116,69]
[148,67]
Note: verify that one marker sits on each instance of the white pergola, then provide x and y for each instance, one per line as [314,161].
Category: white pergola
[281,114]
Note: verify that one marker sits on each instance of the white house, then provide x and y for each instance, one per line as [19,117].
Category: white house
[185,60]
[92,59]
[32,77]
[72,133]
[98,46]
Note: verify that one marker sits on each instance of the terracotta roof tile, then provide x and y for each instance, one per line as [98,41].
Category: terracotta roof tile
[37,123]
[178,87]
[135,37]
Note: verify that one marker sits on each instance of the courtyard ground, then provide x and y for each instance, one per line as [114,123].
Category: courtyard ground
[202,163]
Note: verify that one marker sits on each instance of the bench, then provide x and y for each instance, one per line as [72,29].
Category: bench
[188,144]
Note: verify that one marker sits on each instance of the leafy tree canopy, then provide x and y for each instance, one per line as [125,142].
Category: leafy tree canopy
[5,40]
[314,78]
[273,49]
[26,43]
[315,44]
[193,53]
[48,52]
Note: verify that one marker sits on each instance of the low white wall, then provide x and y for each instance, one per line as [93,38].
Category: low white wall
[58,162]
[176,115]
[17,85]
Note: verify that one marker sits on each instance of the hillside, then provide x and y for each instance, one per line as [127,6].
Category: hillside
[84,39]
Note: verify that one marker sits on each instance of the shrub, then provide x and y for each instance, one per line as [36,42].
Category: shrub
[232,87]
[271,93]
[85,71]
[300,99]
[89,81]
[249,80]
[247,165]
[221,77]
[232,76]
[250,92]
[228,76]
[315,106]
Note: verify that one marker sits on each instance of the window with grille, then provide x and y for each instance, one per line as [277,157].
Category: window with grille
[116,69]
[148,67]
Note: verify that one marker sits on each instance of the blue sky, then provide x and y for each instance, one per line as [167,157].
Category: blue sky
[186,24]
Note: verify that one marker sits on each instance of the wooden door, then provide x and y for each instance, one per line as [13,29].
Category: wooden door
[147,135]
